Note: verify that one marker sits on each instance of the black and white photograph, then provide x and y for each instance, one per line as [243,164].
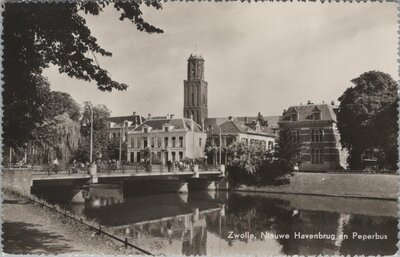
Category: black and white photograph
[200,128]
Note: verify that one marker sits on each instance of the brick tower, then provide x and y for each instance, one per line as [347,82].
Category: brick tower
[195,90]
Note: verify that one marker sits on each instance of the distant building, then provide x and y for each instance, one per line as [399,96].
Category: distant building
[314,126]
[120,125]
[195,90]
[234,130]
[167,139]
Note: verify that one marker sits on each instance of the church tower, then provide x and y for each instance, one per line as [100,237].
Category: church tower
[195,90]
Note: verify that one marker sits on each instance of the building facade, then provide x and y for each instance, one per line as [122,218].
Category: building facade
[314,127]
[195,90]
[118,126]
[232,130]
[163,140]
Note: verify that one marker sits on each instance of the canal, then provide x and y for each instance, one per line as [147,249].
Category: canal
[232,223]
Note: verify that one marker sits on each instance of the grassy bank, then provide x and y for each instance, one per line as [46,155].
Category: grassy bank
[376,186]
[30,228]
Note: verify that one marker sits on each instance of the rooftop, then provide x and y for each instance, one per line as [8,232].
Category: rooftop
[305,112]
[158,124]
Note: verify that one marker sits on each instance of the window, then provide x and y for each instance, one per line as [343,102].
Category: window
[133,142]
[199,141]
[180,155]
[204,99]
[145,142]
[152,140]
[159,142]
[139,143]
[317,156]
[294,117]
[192,98]
[166,129]
[173,156]
[294,136]
[180,141]
[317,135]
[229,141]
[165,142]
[173,141]
[145,130]
[317,116]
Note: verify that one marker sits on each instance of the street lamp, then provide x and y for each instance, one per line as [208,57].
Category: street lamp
[91,132]
[220,146]
[122,138]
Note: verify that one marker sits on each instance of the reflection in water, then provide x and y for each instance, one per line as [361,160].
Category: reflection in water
[200,223]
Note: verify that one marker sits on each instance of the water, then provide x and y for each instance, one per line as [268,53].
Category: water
[204,222]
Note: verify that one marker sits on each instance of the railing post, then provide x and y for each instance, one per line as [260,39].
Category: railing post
[126,242]
[222,169]
[196,170]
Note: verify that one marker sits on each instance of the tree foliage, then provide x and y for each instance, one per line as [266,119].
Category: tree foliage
[367,118]
[100,135]
[255,165]
[39,34]
[287,150]
[112,148]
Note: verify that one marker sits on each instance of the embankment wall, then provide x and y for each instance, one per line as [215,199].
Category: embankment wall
[19,181]
[380,186]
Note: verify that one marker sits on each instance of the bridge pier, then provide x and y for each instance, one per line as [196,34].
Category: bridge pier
[183,188]
[77,196]
[211,185]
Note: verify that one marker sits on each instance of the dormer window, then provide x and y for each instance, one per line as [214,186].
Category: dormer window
[166,128]
[316,113]
[294,114]
[145,130]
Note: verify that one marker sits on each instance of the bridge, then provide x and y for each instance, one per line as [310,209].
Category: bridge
[141,178]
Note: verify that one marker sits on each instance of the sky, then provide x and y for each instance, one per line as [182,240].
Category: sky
[259,57]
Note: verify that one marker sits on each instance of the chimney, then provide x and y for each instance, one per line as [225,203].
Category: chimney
[230,117]
[171,116]
[245,119]
[167,115]
[309,102]
[258,127]
[284,112]
[134,114]
[149,116]
[333,103]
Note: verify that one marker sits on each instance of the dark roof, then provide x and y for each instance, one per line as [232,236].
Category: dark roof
[236,127]
[135,119]
[272,121]
[157,124]
[305,112]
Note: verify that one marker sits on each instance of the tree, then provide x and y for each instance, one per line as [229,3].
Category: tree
[287,150]
[100,135]
[38,34]
[112,149]
[55,133]
[244,161]
[372,100]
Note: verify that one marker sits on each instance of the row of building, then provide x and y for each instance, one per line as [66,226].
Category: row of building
[166,138]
